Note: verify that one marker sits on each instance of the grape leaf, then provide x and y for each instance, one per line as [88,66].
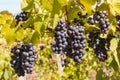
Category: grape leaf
[27,5]
[55,20]
[35,37]
[73,13]
[113,48]
[118,51]
[8,33]
[63,2]
[114,6]
[104,7]
[89,27]
[47,4]
[99,74]
[56,7]
[114,64]
[88,4]
[6,76]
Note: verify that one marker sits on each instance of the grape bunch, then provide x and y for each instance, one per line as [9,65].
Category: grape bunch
[77,40]
[23,16]
[98,44]
[23,58]
[118,20]
[100,49]
[93,35]
[100,18]
[60,44]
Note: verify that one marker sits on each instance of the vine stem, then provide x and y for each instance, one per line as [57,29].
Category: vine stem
[60,68]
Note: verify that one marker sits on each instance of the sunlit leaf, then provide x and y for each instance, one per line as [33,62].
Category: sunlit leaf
[27,5]
[73,13]
[114,6]
[113,48]
[8,33]
[89,27]
[35,37]
[88,4]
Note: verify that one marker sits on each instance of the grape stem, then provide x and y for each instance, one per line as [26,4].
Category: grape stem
[60,68]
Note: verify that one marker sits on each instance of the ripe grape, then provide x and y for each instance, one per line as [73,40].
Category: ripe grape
[61,35]
[77,40]
[98,44]
[23,57]
[23,16]
[100,18]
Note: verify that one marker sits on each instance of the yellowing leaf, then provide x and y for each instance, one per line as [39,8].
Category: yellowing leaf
[88,4]
[8,33]
[114,6]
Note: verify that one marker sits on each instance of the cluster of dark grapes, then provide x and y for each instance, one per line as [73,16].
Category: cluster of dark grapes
[61,35]
[23,16]
[71,40]
[100,18]
[23,58]
[98,44]
[118,20]
[77,40]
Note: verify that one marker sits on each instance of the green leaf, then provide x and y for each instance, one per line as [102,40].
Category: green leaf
[63,2]
[99,74]
[88,4]
[73,13]
[89,27]
[2,64]
[27,35]
[55,20]
[114,6]
[27,5]
[20,36]
[114,64]
[8,33]
[56,7]
[47,4]
[37,26]
[113,48]
[118,51]
[104,7]
[6,18]
[35,37]
[6,76]
[112,29]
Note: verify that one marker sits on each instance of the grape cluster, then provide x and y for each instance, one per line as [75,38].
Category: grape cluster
[118,20]
[23,58]
[93,35]
[98,44]
[77,40]
[100,18]
[60,44]
[70,38]
[23,16]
